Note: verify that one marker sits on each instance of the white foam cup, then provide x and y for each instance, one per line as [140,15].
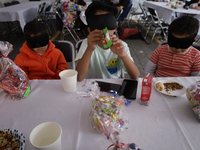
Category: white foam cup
[46,136]
[69,80]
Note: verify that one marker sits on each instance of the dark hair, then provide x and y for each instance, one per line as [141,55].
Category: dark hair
[34,28]
[102,6]
[185,25]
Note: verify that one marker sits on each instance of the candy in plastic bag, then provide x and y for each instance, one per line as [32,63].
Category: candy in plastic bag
[13,80]
[193,95]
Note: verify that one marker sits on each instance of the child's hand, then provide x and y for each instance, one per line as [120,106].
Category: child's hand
[94,38]
[117,47]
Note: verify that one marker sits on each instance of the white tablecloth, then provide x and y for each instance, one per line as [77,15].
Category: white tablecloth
[167,123]
[167,13]
[23,12]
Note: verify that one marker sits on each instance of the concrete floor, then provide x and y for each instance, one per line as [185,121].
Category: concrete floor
[140,50]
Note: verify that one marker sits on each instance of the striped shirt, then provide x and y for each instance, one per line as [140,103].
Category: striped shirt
[171,65]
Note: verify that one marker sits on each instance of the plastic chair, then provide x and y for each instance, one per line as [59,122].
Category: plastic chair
[65,29]
[158,24]
[78,45]
[67,48]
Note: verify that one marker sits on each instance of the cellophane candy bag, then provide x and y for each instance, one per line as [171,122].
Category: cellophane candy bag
[193,95]
[13,80]
[106,116]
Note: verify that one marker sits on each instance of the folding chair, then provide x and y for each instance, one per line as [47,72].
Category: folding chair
[144,19]
[7,4]
[15,2]
[57,3]
[65,29]
[132,12]
[67,48]
[41,13]
[48,16]
[158,24]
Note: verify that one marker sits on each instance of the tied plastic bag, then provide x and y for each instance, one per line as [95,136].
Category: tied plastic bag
[13,80]
[107,118]
[193,95]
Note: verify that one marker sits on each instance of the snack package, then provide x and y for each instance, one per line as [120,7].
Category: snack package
[193,95]
[13,80]
[107,118]
[106,42]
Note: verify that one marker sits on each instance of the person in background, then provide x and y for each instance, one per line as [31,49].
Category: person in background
[38,56]
[126,8]
[177,58]
[95,61]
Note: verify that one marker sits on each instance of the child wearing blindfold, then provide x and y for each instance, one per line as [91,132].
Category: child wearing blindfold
[177,58]
[38,56]
[95,61]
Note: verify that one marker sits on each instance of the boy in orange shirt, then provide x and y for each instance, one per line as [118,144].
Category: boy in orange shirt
[38,56]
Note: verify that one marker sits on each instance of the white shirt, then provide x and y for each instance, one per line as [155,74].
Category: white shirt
[103,63]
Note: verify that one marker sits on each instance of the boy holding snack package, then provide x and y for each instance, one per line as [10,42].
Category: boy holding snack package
[178,58]
[38,56]
[102,54]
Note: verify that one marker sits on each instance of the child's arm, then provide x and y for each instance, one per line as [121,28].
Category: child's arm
[61,65]
[150,68]
[93,39]
[118,48]
[19,62]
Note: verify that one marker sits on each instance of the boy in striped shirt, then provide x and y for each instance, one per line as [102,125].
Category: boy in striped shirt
[177,58]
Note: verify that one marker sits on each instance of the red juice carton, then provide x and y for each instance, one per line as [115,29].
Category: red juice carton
[146,90]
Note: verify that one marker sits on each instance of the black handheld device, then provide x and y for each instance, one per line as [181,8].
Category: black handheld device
[129,89]
[105,86]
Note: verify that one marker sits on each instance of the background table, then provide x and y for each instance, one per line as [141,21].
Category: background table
[23,12]
[167,123]
[167,13]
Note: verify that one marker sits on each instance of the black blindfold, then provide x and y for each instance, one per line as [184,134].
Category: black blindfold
[38,41]
[182,43]
[102,21]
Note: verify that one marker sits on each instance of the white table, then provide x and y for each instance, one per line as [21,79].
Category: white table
[23,12]
[167,13]
[167,123]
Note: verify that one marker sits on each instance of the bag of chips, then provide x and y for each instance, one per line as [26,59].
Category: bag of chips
[13,80]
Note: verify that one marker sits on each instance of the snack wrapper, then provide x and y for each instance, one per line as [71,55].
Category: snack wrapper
[106,42]
[106,116]
[13,80]
[193,95]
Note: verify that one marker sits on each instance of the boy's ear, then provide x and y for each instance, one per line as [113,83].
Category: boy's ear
[88,28]
[195,38]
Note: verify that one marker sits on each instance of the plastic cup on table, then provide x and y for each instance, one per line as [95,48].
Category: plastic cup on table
[69,80]
[46,136]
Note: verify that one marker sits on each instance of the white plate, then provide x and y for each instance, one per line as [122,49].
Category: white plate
[176,92]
